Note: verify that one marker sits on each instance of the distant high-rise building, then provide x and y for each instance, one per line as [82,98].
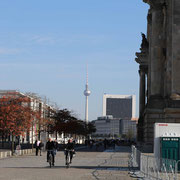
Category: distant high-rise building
[119,106]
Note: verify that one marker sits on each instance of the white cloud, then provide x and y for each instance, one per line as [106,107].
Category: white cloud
[7,51]
[43,39]
[68,39]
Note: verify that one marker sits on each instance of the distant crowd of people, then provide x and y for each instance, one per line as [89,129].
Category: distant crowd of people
[38,145]
[105,143]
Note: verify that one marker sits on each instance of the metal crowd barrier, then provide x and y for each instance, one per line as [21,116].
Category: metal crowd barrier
[135,163]
[148,167]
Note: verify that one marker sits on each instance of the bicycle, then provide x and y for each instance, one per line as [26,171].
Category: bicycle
[50,158]
[68,157]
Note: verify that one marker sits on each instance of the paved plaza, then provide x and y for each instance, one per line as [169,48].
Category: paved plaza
[86,165]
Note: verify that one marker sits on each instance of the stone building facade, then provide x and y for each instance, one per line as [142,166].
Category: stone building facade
[38,130]
[110,127]
[159,68]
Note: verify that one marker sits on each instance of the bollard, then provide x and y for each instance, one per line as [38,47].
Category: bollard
[10,153]
[176,169]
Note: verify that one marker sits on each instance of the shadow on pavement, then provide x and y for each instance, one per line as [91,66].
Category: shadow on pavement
[101,149]
[110,168]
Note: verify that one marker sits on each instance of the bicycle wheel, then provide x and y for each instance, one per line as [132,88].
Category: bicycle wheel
[68,160]
[50,160]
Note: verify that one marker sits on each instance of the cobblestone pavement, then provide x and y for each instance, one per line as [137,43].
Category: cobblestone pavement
[109,165]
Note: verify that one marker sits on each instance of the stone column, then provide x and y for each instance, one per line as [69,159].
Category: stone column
[142,91]
[149,36]
[157,51]
[175,48]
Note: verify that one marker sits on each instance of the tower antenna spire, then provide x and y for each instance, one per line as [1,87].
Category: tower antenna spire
[87,73]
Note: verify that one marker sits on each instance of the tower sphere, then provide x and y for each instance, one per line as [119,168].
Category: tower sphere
[87,92]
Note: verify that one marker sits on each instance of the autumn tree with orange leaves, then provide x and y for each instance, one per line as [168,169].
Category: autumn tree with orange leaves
[16,116]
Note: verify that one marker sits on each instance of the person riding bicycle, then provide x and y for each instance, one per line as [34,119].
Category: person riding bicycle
[50,149]
[69,149]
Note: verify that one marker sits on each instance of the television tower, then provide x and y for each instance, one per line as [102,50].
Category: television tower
[86,93]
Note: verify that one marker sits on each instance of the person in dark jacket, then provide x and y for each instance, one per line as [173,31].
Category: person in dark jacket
[37,142]
[69,149]
[41,145]
[105,143]
[55,146]
[50,149]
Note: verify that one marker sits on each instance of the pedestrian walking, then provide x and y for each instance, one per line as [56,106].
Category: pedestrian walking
[37,142]
[113,144]
[105,143]
[56,146]
[91,143]
[41,145]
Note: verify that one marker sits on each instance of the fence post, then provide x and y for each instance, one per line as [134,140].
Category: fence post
[158,166]
[147,166]
[176,169]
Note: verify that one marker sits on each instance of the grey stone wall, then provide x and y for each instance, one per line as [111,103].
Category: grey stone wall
[176,47]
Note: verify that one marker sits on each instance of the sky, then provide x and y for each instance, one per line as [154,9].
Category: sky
[45,46]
